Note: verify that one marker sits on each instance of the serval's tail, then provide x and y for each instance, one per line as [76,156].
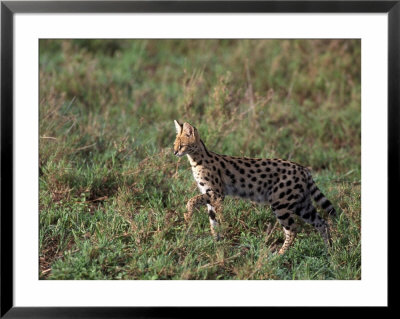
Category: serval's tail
[320,198]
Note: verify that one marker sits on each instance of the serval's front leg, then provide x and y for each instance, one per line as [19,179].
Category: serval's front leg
[213,202]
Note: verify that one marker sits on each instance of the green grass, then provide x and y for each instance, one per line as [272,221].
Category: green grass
[112,195]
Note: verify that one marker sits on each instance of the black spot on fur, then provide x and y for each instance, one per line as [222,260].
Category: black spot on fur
[211,214]
[313,214]
[281,206]
[326,204]
[284,216]
[318,197]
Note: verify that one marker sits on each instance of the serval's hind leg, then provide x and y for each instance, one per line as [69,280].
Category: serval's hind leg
[290,235]
[286,219]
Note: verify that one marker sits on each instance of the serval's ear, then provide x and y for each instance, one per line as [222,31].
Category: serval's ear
[188,129]
[178,127]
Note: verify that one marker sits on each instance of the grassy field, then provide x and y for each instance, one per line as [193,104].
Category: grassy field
[112,194]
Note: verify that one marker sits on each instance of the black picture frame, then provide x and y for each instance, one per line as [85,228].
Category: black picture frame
[9,8]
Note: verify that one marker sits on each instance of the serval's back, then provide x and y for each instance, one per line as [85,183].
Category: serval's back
[286,186]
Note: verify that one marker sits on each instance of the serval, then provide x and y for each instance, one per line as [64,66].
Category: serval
[286,186]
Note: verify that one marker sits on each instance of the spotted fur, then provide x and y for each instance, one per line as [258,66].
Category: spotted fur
[286,186]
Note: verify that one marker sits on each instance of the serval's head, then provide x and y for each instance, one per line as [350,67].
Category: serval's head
[187,139]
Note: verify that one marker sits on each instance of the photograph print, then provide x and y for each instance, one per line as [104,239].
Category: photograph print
[199,159]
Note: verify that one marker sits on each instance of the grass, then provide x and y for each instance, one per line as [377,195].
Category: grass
[112,195]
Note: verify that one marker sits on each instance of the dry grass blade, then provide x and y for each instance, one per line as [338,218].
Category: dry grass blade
[220,262]
[84,147]
[48,137]
[270,231]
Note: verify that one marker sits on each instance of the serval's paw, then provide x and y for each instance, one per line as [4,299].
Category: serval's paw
[187,217]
